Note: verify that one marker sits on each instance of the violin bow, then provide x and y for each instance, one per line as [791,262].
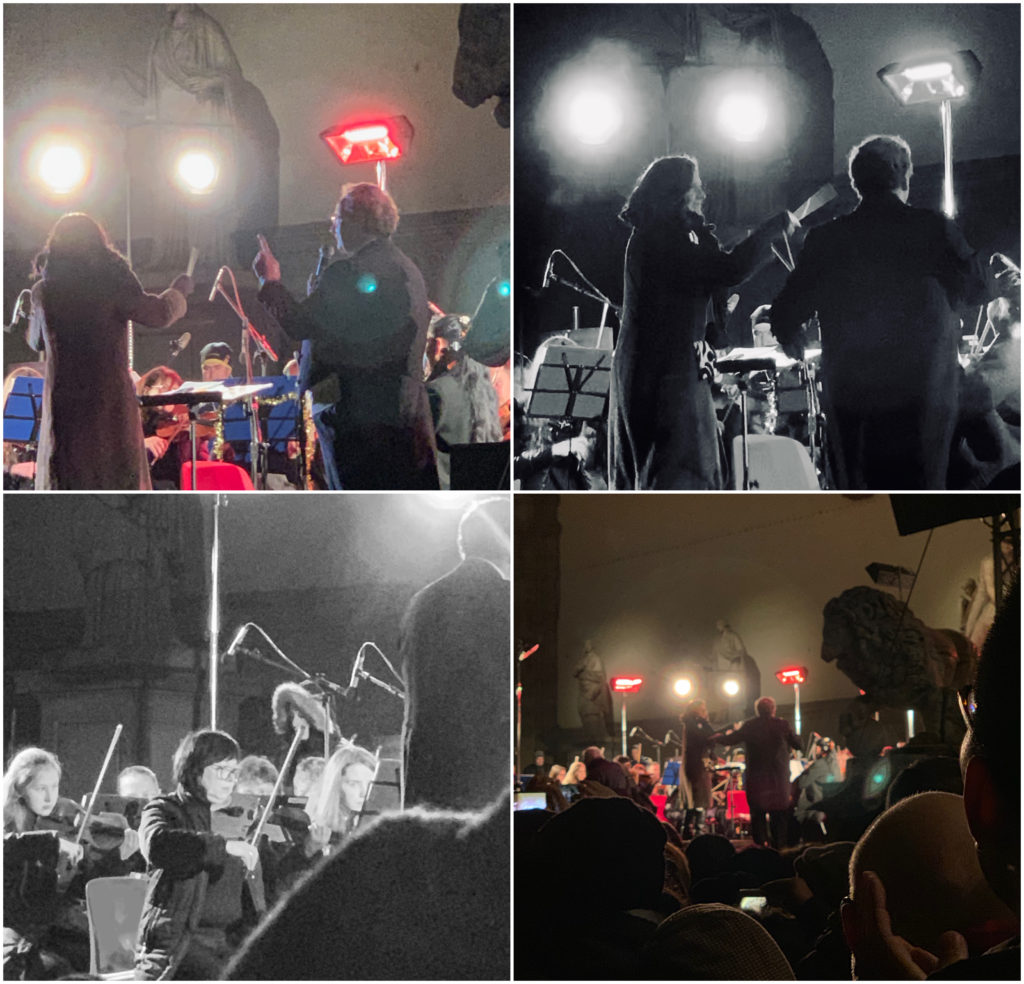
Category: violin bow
[99,783]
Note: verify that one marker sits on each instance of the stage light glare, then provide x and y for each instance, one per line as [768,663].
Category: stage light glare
[743,116]
[594,117]
[731,688]
[682,687]
[197,171]
[62,168]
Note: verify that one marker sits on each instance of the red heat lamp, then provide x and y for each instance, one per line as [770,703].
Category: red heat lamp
[370,141]
[791,675]
[627,685]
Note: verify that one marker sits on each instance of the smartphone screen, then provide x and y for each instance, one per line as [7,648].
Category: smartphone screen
[753,903]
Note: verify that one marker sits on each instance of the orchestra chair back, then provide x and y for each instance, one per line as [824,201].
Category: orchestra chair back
[114,906]
[216,476]
[776,463]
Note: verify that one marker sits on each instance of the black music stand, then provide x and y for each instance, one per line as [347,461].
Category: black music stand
[23,410]
[742,367]
[571,383]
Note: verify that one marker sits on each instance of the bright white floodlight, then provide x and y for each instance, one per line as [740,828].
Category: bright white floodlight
[743,116]
[731,687]
[682,686]
[62,168]
[594,117]
[197,171]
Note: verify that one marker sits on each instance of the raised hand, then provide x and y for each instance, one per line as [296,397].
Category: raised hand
[265,265]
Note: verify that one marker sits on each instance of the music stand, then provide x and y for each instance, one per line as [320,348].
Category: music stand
[742,362]
[23,409]
[282,423]
[571,383]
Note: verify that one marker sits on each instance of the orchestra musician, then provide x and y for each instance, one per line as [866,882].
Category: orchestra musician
[199,904]
[664,428]
[367,319]
[38,840]
[91,434]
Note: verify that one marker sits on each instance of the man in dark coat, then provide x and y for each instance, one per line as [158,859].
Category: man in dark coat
[768,740]
[887,283]
[455,660]
[367,319]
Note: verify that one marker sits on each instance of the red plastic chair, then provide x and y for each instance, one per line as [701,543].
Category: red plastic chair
[216,476]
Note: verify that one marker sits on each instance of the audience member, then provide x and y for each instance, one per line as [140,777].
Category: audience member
[991,803]
[713,943]
[421,895]
[609,774]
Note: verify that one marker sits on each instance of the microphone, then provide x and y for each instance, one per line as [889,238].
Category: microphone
[19,309]
[547,272]
[239,635]
[633,733]
[216,282]
[179,344]
[529,652]
[353,680]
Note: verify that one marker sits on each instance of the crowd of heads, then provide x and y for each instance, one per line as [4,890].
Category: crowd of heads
[642,903]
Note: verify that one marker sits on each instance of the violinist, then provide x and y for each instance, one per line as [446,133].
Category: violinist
[334,807]
[138,782]
[199,905]
[38,838]
[164,429]
[307,774]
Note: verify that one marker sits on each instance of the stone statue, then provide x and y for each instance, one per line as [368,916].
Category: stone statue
[729,655]
[482,67]
[134,553]
[896,659]
[195,81]
[594,700]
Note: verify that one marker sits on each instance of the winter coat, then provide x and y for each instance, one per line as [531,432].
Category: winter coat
[665,428]
[367,320]
[183,856]
[768,741]
[454,651]
[887,283]
[90,436]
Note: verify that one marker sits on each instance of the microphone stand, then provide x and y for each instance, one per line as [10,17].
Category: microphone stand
[249,335]
[328,689]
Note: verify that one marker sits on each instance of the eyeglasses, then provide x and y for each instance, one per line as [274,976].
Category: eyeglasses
[226,773]
[968,705]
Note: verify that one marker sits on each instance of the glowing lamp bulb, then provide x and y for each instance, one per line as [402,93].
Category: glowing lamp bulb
[594,118]
[198,171]
[682,687]
[743,116]
[504,288]
[930,72]
[62,168]
[731,688]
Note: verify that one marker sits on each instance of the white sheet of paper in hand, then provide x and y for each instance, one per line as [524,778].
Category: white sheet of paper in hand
[821,197]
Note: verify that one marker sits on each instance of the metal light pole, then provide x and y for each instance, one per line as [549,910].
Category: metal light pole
[626,685]
[215,612]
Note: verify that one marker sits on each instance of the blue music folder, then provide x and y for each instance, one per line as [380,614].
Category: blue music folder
[22,410]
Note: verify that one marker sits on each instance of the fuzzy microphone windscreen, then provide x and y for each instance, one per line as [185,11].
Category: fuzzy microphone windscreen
[293,697]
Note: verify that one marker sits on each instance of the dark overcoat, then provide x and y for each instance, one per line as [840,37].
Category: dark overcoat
[664,429]
[367,320]
[887,282]
[455,652]
[768,741]
[90,436]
